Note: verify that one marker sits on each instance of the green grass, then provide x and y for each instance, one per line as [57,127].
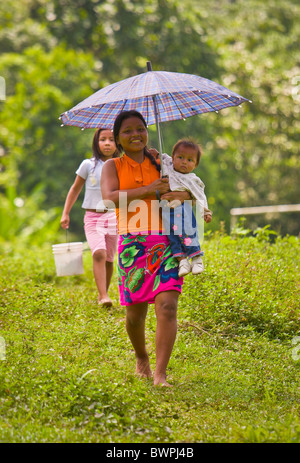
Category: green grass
[68,373]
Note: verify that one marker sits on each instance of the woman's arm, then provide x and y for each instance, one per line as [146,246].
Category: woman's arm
[180,195]
[70,200]
[110,187]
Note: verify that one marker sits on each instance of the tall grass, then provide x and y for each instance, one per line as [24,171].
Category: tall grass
[68,372]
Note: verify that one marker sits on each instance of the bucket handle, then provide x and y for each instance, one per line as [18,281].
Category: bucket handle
[68,239]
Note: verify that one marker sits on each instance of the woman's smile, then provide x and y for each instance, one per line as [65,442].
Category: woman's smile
[133,135]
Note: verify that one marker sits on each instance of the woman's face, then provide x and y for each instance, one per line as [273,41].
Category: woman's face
[133,135]
[106,143]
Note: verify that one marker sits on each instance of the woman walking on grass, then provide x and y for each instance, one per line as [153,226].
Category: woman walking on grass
[147,271]
[99,222]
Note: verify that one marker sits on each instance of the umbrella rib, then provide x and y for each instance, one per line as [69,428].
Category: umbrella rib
[201,98]
[124,104]
[216,110]
[147,121]
[86,122]
[150,107]
[177,105]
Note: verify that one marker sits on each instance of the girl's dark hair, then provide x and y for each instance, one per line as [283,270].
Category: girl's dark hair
[122,116]
[97,154]
[189,142]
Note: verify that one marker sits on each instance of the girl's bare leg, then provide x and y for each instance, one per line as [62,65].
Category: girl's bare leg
[99,269]
[166,330]
[135,326]
[109,272]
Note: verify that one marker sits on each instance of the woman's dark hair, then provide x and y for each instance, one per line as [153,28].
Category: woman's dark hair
[190,143]
[122,116]
[97,154]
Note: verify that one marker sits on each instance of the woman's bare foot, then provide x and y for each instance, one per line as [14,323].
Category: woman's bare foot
[105,302]
[161,380]
[143,368]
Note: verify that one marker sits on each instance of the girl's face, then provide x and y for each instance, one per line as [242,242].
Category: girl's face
[133,135]
[185,159]
[106,143]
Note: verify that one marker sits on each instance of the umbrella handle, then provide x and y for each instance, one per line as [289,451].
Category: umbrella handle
[157,192]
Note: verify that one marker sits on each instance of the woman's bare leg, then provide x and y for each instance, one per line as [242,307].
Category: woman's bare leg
[135,326]
[166,330]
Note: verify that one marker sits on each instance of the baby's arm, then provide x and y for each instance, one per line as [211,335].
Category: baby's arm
[197,191]
[207,215]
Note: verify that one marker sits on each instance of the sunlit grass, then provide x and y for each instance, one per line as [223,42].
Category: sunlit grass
[68,375]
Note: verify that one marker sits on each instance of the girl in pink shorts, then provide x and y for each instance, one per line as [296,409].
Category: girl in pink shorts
[99,222]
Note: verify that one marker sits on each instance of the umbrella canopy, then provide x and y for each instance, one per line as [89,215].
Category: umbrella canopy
[158,95]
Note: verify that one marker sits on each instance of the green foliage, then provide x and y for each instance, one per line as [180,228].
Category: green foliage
[68,374]
[260,144]
[257,282]
[55,53]
[24,221]
[36,150]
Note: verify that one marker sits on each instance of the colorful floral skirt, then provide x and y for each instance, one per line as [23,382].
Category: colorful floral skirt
[146,267]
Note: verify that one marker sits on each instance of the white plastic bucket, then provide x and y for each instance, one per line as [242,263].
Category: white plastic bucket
[68,258]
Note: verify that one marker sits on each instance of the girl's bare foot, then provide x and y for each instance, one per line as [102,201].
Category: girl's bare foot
[143,368]
[161,380]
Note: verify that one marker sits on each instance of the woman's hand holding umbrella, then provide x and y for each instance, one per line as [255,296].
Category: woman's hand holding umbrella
[161,185]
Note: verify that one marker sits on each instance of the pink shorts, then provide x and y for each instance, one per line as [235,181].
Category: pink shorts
[101,232]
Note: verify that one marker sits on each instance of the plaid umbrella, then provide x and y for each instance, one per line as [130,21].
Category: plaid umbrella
[158,95]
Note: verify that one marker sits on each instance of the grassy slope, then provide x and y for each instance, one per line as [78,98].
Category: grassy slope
[68,373]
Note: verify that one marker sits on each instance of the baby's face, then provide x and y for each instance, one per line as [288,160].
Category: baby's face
[185,159]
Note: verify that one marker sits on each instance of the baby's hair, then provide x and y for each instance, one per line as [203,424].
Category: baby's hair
[117,126]
[190,143]
[97,153]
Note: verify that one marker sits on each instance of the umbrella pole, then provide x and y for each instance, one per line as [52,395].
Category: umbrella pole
[149,69]
[159,135]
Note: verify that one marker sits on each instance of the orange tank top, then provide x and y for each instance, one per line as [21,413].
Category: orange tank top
[141,215]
